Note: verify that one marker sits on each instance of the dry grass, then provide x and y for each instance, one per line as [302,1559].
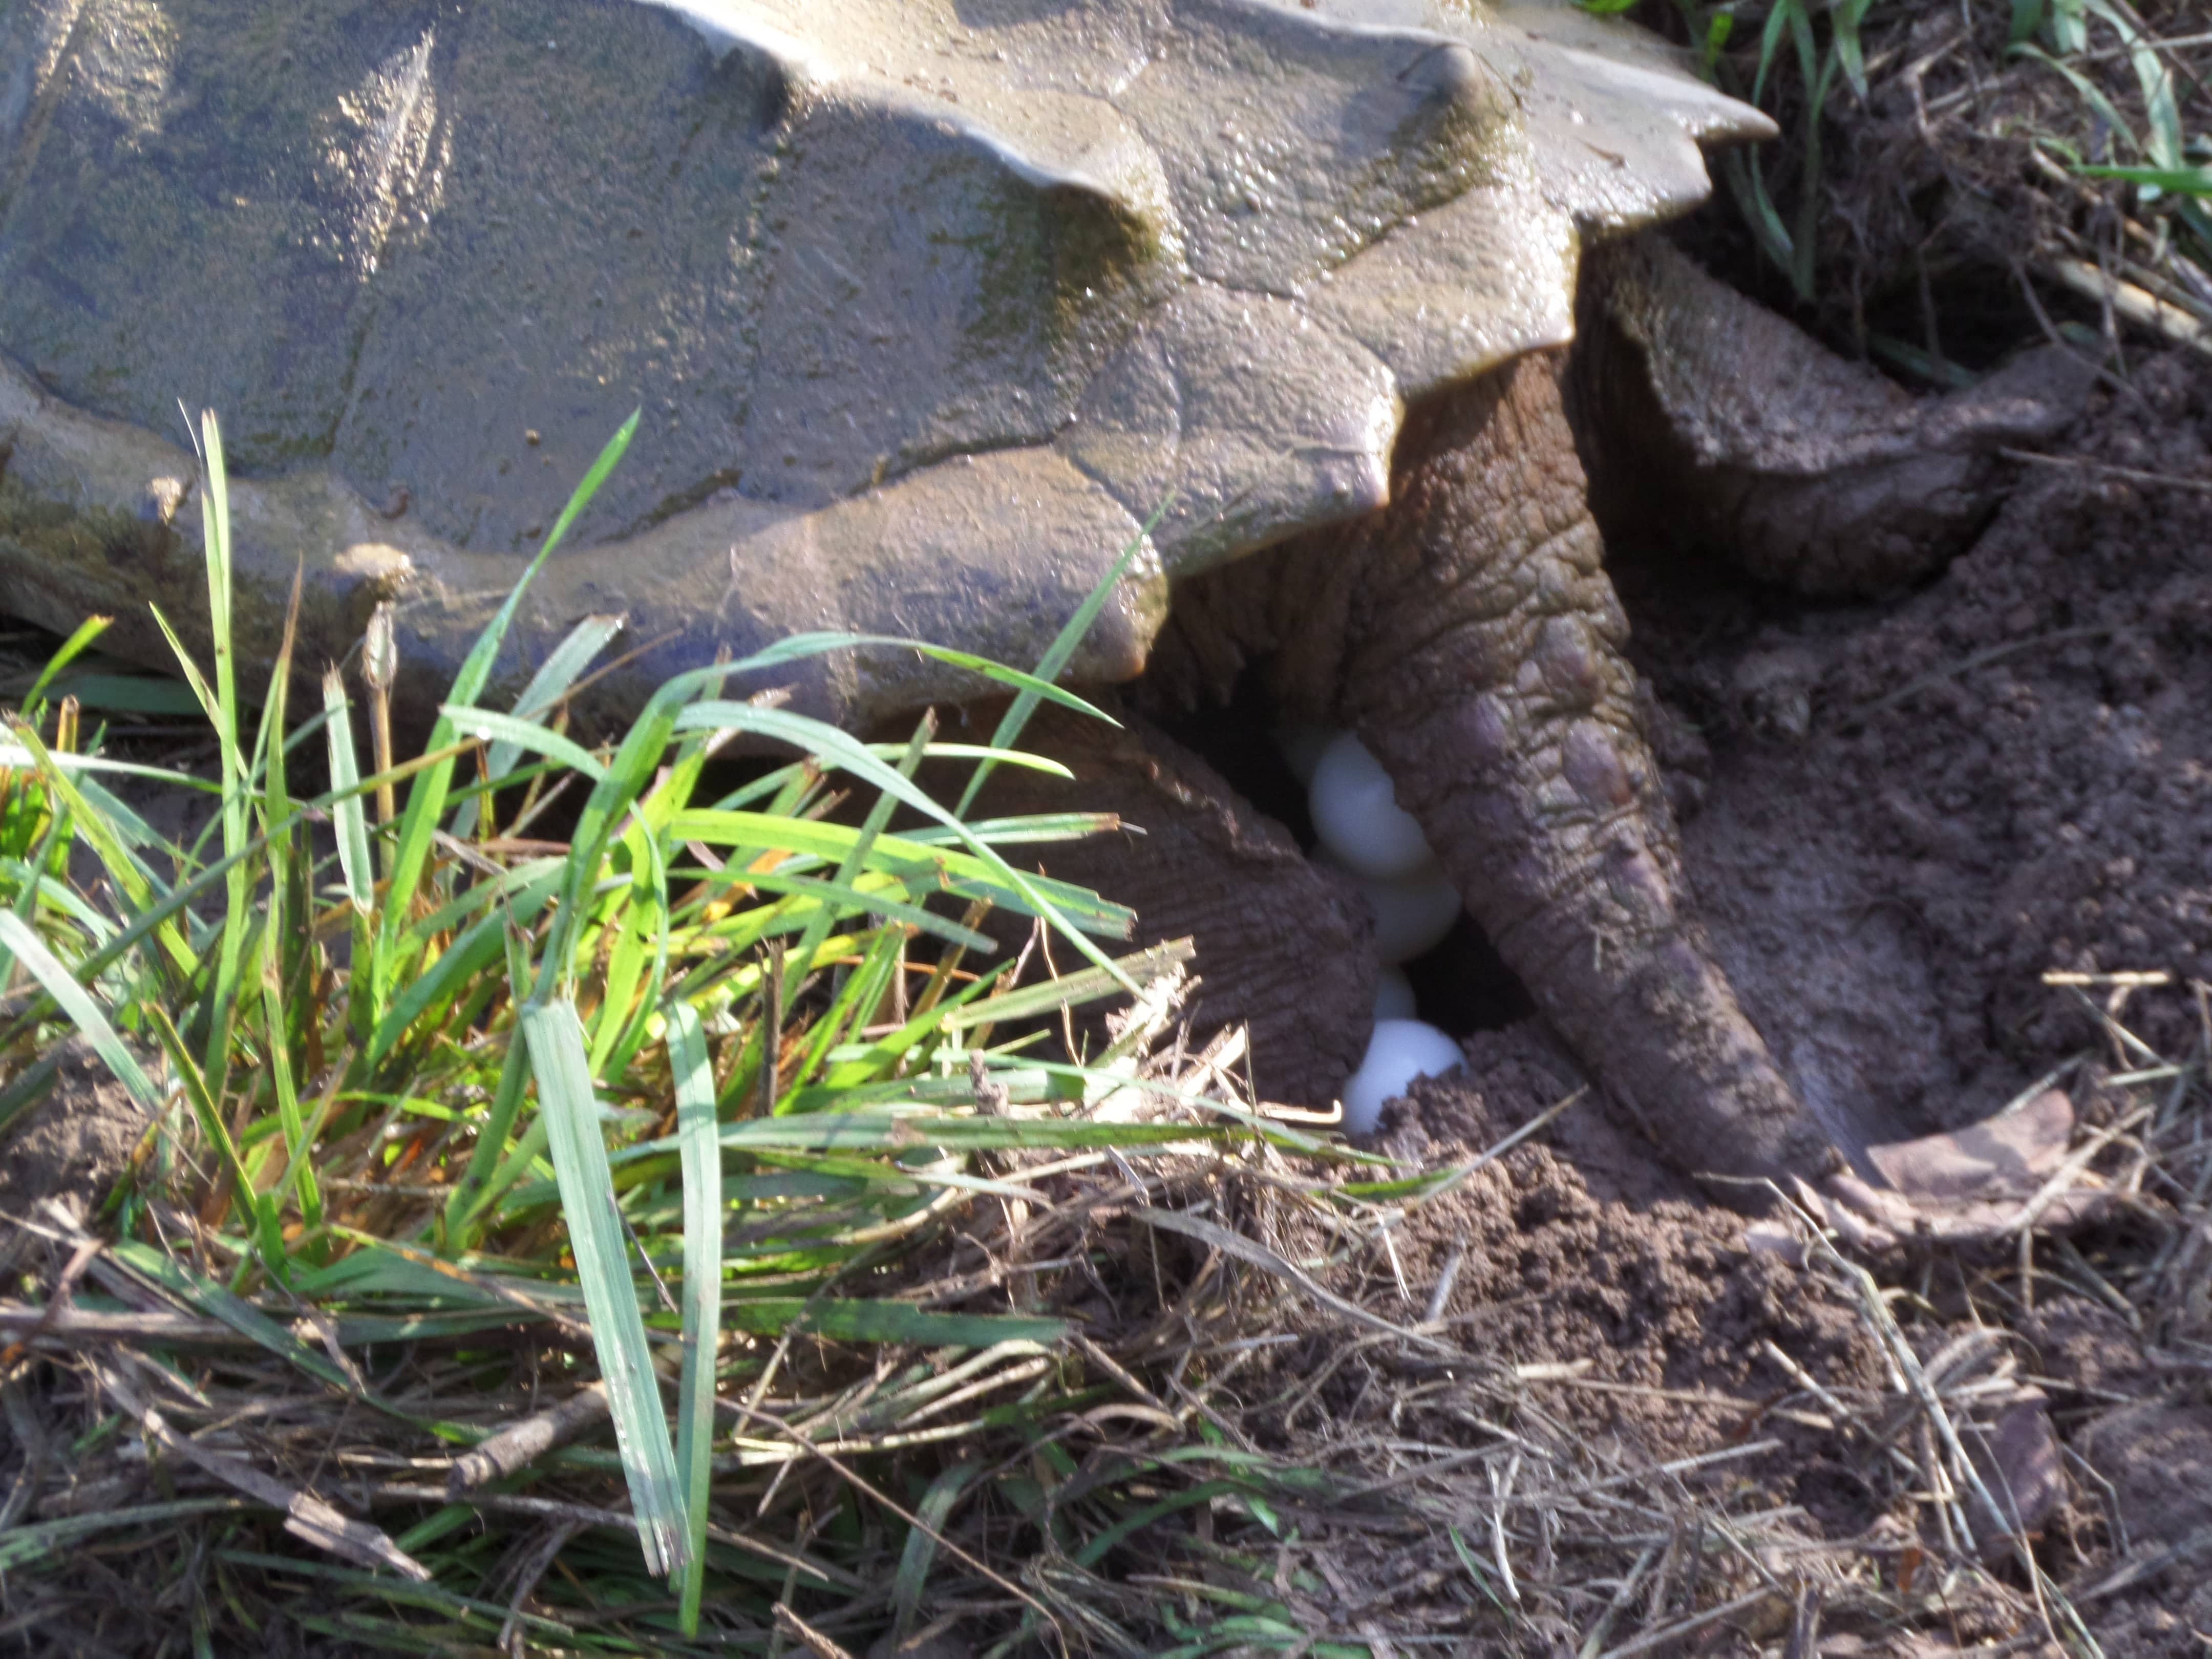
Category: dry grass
[187,1470]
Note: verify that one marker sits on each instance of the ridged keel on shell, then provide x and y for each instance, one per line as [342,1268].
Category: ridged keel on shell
[929,304]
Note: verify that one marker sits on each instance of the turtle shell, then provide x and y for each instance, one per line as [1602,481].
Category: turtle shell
[930,305]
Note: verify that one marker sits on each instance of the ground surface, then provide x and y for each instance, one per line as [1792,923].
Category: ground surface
[1898,816]
[73,1144]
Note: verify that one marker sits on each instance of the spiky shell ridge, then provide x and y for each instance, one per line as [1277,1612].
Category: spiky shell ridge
[1264,228]
[931,304]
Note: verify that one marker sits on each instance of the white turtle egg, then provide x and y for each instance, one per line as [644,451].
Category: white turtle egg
[1394,995]
[1358,817]
[1411,916]
[1300,742]
[1399,1051]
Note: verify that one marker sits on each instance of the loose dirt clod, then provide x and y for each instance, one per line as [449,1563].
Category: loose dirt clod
[76,1141]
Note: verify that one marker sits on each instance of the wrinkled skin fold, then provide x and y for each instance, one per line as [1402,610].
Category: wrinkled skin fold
[1469,633]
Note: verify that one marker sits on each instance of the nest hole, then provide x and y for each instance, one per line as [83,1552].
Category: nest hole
[1462,985]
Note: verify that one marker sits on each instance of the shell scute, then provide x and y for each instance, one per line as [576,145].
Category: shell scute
[886,276]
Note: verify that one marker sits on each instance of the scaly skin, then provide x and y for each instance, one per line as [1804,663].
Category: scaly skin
[1197,859]
[1707,416]
[1469,633]
[1489,679]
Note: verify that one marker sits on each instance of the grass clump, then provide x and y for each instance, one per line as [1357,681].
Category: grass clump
[479,1100]
[1953,183]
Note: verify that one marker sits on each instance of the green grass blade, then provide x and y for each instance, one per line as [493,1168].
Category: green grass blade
[22,1546]
[475,1192]
[349,814]
[238,883]
[288,970]
[508,886]
[2162,138]
[50,894]
[466,958]
[702,1152]
[523,736]
[835,747]
[127,693]
[426,798]
[152,909]
[861,992]
[818,929]
[19,755]
[77,1003]
[2184,181]
[1770,45]
[277,1051]
[921,1540]
[1058,655]
[1028,829]
[187,1071]
[159,1267]
[798,646]
[561,670]
[624,782]
[916,856]
[640,948]
[1844,25]
[26,907]
[555,677]
[2091,93]
[88,630]
[570,1109]
[869,901]
[210,705]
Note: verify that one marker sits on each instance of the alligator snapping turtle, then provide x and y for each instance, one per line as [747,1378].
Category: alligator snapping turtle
[929,305]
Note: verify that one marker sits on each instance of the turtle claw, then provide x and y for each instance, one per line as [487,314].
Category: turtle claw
[1869,1220]
[1982,1185]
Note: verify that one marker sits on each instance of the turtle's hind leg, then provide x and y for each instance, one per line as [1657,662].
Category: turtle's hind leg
[1482,663]
[1284,947]
[1705,417]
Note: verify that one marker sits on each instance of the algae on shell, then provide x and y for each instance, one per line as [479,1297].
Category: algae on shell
[927,307]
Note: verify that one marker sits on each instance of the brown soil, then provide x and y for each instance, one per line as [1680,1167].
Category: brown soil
[1582,1247]
[74,1142]
[1898,816]
[1910,812]
[1632,1327]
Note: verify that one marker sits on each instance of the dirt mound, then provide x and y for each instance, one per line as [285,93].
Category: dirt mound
[1899,816]
[1582,1249]
[1719,1437]
[1605,1395]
